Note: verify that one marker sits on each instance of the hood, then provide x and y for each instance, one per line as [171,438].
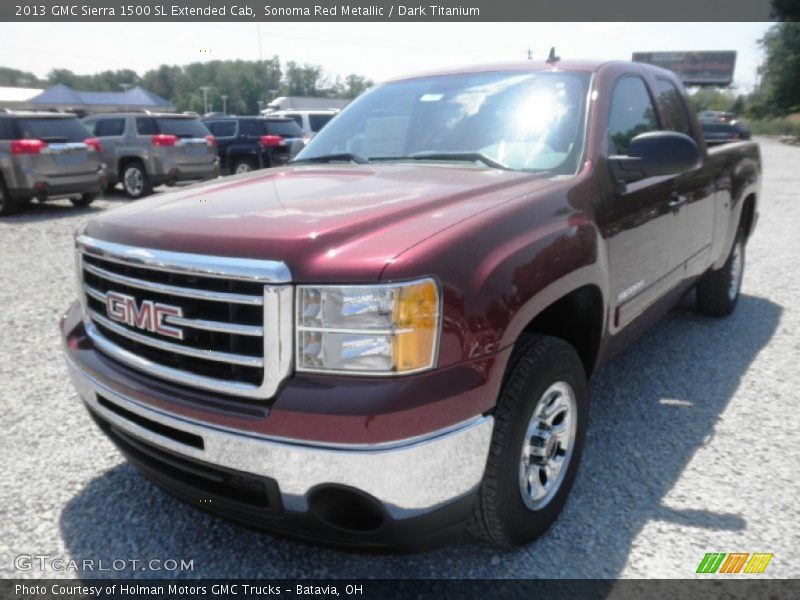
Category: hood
[326,222]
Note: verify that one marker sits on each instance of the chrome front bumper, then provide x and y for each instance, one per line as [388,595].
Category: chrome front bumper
[408,477]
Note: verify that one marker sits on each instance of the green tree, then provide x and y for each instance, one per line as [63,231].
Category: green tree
[17,78]
[780,74]
[303,80]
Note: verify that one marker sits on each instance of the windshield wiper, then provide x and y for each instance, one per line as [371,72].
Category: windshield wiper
[455,156]
[326,158]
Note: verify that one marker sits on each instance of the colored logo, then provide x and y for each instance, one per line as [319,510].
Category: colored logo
[734,562]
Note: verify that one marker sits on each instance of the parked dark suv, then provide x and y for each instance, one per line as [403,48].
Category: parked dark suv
[249,143]
[144,150]
[47,155]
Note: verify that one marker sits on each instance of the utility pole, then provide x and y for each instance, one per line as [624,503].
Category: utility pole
[205,89]
[224,104]
[530,54]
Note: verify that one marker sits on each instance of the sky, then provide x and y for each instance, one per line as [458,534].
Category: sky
[378,50]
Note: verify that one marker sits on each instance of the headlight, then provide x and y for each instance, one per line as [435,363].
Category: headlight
[369,329]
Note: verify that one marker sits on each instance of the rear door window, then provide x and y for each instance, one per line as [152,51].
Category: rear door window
[672,107]
[284,128]
[222,128]
[109,127]
[52,129]
[183,128]
[632,113]
[317,122]
[146,126]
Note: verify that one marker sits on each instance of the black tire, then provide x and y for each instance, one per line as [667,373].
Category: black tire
[8,205]
[84,200]
[135,180]
[501,516]
[718,291]
[243,165]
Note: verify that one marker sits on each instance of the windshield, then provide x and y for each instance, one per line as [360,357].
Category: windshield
[521,120]
[52,129]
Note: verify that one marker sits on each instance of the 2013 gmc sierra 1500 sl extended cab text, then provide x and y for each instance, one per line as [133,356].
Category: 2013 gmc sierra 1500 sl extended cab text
[388,341]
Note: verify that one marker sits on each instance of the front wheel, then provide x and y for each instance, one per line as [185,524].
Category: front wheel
[718,291]
[539,432]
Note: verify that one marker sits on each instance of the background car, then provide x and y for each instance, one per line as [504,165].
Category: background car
[249,143]
[143,150]
[721,132]
[310,121]
[47,155]
[716,115]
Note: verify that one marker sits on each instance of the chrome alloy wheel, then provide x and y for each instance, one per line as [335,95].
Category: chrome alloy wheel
[134,181]
[547,446]
[243,167]
[737,268]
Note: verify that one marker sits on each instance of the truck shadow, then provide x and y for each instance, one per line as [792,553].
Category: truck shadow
[653,407]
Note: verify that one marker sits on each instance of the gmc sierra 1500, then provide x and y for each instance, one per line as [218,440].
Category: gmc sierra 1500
[389,340]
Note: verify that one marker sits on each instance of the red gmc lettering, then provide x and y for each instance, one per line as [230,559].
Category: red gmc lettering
[148,316]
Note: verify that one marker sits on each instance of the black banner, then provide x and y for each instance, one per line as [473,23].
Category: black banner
[373,10]
[419,589]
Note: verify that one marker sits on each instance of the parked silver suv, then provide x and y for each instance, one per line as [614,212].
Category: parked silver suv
[143,150]
[47,155]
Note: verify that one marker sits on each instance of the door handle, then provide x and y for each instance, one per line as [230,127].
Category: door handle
[676,201]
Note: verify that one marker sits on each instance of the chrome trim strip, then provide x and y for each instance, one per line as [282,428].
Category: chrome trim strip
[167,373]
[410,477]
[224,357]
[222,267]
[389,331]
[205,325]
[162,288]
[202,324]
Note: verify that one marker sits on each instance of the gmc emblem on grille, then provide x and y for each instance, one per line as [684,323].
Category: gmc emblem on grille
[148,315]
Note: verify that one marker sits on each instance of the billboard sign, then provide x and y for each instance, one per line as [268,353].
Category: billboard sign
[694,68]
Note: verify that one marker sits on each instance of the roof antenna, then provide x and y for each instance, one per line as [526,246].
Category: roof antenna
[552,58]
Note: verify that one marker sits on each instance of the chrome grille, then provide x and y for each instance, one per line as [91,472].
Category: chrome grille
[233,316]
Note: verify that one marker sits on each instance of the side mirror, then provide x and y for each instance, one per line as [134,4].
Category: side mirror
[656,153]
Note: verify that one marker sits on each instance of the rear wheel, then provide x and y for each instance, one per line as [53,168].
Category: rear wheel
[135,180]
[83,201]
[244,165]
[718,291]
[539,431]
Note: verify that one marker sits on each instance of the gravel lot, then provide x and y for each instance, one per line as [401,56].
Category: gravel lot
[693,444]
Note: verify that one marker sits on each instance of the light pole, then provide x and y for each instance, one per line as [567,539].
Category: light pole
[205,89]
[224,104]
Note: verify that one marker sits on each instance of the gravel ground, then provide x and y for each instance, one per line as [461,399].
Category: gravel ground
[693,444]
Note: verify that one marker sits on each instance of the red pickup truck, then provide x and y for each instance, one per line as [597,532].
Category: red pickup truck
[388,341]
